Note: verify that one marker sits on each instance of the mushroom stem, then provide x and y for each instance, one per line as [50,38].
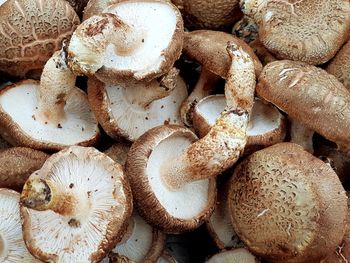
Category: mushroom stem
[41,195]
[158,89]
[225,142]
[56,82]
[3,249]
[204,86]
[301,135]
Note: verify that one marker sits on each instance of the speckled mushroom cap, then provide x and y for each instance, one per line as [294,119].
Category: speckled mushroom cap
[138,39]
[310,31]
[121,111]
[171,211]
[95,204]
[209,49]
[31,30]
[209,14]
[340,65]
[17,164]
[12,247]
[239,255]
[287,205]
[309,95]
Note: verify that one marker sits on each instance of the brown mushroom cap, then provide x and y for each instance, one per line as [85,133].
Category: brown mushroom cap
[310,31]
[340,65]
[30,33]
[138,39]
[12,247]
[209,49]
[94,201]
[309,95]
[239,255]
[118,152]
[287,205]
[170,211]
[209,14]
[17,164]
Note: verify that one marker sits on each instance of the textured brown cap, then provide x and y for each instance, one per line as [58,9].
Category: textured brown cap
[239,255]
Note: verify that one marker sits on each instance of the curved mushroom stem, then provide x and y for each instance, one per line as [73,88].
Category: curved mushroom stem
[41,195]
[56,82]
[204,86]
[222,146]
[301,135]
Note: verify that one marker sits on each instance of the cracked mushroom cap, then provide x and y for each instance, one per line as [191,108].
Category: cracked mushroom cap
[17,164]
[266,127]
[209,49]
[287,205]
[31,30]
[310,31]
[12,247]
[239,255]
[209,14]
[340,66]
[172,211]
[85,204]
[129,110]
[141,243]
[310,96]
[138,39]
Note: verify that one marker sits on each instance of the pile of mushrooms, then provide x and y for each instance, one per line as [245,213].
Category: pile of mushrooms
[131,130]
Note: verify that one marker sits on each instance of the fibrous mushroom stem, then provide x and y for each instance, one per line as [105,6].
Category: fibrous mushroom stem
[57,80]
[41,195]
[204,86]
[301,135]
[159,89]
[224,143]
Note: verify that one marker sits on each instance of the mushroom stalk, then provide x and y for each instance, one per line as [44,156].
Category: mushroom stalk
[224,143]
[301,135]
[41,195]
[56,82]
[204,86]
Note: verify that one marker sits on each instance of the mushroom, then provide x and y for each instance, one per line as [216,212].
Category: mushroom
[340,65]
[12,247]
[166,169]
[31,30]
[287,205]
[209,14]
[238,255]
[49,115]
[166,258]
[310,31]
[129,109]
[137,39]
[301,135]
[141,243]
[17,164]
[209,49]
[76,207]
[310,96]
[118,152]
[266,127]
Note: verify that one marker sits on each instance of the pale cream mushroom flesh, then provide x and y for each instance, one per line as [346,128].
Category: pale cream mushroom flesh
[31,31]
[309,95]
[141,243]
[12,247]
[239,255]
[287,205]
[169,172]
[76,207]
[266,125]
[132,39]
[310,31]
[129,110]
[48,115]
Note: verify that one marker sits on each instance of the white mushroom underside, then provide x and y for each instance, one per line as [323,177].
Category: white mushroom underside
[14,249]
[154,24]
[240,255]
[190,200]
[94,186]
[21,102]
[139,243]
[263,118]
[135,120]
